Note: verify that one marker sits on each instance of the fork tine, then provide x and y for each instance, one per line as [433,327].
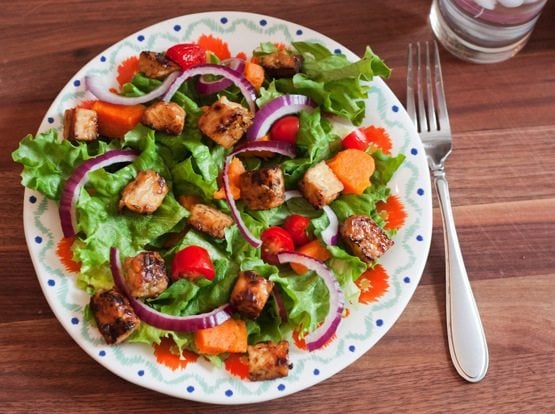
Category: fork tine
[423,123]
[443,117]
[411,110]
[432,123]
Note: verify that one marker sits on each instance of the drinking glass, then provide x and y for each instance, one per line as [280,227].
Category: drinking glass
[484,31]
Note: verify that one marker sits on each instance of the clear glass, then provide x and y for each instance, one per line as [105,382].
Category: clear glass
[484,31]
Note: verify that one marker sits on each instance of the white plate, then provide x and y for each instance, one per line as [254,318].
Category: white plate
[357,333]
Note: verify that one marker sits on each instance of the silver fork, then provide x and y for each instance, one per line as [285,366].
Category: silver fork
[467,341]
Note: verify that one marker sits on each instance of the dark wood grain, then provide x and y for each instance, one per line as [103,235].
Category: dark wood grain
[501,175]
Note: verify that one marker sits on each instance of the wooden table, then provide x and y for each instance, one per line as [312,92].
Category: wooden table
[502,185]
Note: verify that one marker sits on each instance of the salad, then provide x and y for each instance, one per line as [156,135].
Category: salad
[224,203]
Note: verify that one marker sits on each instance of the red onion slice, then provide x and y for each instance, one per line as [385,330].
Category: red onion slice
[275,109]
[292,194]
[208,87]
[70,192]
[278,147]
[248,91]
[97,86]
[317,338]
[330,234]
[161,320]
[235,213]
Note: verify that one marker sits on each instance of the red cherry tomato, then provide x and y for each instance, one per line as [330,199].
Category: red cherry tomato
[275,240]
[355,140]
[192,262]
[297,227]
[285,129]
[186,55]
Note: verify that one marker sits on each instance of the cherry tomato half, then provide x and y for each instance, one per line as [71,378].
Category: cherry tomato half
[285,129]
[297,226]
[192,262]
[275,240]
[355,140]
[187,55]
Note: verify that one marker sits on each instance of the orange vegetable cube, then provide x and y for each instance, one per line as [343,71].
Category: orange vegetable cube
[236,168]
[254,74]
[230,336]
[114,121]
[353,168]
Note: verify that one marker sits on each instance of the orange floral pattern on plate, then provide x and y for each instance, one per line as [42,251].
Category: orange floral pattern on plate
[215,45]
[237,364]
[127,70]
[378,138]
[373,284]
[65,254]
[165,356]
[393,212]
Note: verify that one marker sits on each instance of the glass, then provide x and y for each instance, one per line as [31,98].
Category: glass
[484,31]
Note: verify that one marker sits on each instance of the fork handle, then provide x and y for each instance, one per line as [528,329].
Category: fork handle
[467,341]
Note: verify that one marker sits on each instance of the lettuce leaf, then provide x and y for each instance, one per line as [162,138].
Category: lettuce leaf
[306,298]
[386,165]
[331,80]
[315,143]
[48,160]
[105,225]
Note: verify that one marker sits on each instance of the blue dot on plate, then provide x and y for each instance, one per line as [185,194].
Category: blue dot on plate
[420,191]
[352,348]
[414,151]
[75,321]
[419,238]
[379,322]
[223,20]
[102,353]
[406,279]
[76,83]
[103,58]
[50,120]
[140,38]
[38,240]
[395,108]
[140,372]
[316,371]
[51,282]
[281,387]
[177,28]
[299,32]
[337,51]
[263,22]
[190,389]
[228,393]
[32,199]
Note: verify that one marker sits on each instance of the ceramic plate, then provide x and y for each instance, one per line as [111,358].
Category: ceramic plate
[358,332]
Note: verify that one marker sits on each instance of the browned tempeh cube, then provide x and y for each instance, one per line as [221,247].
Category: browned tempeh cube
[250,293]
[209,220]
[145,274]
[364,237]
[268,360]
[263,189]
[145,193]
[114,316]
[225,122]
